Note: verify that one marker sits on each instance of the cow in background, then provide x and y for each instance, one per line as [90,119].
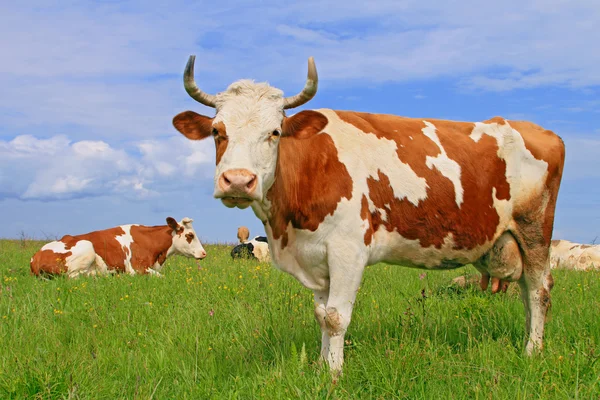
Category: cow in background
[243,234]
[340,190]
[134,249]
[256,249]
[575,256]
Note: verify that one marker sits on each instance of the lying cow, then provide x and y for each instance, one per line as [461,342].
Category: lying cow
[134,249]
[575,256]
[256,249]
[340,190]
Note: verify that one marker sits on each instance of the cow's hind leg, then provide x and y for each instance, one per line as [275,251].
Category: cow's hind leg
[533,234]
[536,283]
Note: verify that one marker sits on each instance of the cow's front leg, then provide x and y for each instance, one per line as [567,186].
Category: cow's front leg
[153,272]
[321,297]
[345,272]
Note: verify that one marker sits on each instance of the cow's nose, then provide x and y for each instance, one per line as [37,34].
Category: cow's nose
[238,181]
[202,255]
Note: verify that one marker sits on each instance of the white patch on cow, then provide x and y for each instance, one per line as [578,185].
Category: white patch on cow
[524,173]
[125,240]
[81,260]
[447,167]
[261,250]
[56,246]
[364,155]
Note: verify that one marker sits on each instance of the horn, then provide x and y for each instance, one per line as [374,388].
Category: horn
[193,90]
[309,91]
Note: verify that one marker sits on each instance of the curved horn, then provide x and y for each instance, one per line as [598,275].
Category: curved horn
[193,90]
[309,91]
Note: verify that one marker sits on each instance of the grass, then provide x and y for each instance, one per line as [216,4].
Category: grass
[243,330]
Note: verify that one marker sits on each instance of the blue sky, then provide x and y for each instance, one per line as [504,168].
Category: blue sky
[89,90]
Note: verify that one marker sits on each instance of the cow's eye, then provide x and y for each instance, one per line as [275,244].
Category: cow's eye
[276,133]
[215,132]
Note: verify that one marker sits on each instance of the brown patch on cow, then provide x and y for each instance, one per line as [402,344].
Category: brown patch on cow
[189,237]
[107,247]
[304,124]
[585,246]
[555,243]
[309,182]
[432,219]
[193,125]
[49,262]
[221,140]
[150,244]
[547,146]
[366,216]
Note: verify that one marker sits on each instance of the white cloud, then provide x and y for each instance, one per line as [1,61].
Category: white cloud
[113,70]
[56,168]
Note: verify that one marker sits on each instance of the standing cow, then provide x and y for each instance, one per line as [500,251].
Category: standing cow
[340,190]
[134,249]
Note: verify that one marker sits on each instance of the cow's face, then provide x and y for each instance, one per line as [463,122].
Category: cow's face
[247,127]
[185,240]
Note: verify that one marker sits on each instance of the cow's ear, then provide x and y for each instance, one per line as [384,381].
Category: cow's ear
[173,224]
[193,125]
[304,124]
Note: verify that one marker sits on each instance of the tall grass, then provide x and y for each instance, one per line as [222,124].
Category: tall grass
[245,330]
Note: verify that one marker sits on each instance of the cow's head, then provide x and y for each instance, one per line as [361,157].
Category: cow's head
[185,240]
[247,127]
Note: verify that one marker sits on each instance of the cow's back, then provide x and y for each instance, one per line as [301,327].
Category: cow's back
[440,182]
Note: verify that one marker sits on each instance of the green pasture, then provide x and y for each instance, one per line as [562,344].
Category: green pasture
[244,330]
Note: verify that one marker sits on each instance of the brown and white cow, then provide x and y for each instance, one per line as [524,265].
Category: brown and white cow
[134,249]
[575,256]
[243,234]
[339,190]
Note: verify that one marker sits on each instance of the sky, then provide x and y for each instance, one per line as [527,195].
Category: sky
[89,90]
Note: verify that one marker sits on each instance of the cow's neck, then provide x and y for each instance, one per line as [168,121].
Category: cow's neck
[158,240]
[305,190]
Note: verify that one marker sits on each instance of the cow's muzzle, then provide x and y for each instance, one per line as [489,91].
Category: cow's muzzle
[237,187]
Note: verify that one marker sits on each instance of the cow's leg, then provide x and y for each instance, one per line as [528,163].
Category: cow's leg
[345,273]
[153,272]
[536,284]
[321,297]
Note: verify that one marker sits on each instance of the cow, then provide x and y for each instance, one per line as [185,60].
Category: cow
[256,249]
[243,234]
[575,256]
[134,249]
[340,190]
